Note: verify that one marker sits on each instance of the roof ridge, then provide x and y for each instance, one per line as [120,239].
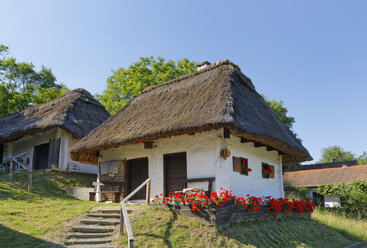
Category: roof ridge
[79,90]
[190,75]
[353,166]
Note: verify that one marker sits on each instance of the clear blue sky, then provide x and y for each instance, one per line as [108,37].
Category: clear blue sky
[310,54]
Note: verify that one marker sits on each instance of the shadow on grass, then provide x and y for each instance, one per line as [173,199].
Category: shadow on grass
[288,232]
[46,183]
[11,238]
[167,232]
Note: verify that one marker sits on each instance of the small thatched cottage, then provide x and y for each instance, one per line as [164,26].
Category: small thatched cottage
[47,132]
[313,178]
[208,129]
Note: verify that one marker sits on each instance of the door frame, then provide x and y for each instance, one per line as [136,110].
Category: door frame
[127,173]
[165,168]
[36,156]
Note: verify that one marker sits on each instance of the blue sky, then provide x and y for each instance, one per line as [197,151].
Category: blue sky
[310,54]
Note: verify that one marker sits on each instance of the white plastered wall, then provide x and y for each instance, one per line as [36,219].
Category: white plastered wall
[253,184]
[331,201]
[203,160]
[27,144]
[65,162]
[201,149]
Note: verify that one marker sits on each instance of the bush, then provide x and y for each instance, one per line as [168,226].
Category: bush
[296,193]
[353,197]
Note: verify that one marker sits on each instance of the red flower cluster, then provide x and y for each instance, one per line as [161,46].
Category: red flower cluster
[268,170]
[198,200]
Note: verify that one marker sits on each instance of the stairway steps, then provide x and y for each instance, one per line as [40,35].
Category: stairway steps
[101,215]
[93,229]
[103,222]
[110,211]
[88,241]
[90,246]
[88,235]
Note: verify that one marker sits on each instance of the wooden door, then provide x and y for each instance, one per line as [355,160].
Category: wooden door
[137,171]
[175,172]
[318,199]
[1,152]
[40,157]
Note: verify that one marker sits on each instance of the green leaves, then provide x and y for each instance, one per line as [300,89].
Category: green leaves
[353,196]
[21,86]
[123,84]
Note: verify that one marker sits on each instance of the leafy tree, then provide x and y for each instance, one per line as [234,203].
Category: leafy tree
[21,86]
[363,158]
[335,153]
[123,84]
[281,111]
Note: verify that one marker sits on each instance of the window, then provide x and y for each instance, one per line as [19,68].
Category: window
[240,165]
[267,171]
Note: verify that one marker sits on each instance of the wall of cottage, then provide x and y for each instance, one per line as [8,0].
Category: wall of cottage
[203,160]
[201,149]
[254,183]
[28,142]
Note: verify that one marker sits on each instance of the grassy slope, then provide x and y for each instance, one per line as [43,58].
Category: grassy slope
[28,218]
[161,228]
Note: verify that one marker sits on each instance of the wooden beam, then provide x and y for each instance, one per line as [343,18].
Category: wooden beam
[269,148]
[148,144]
[147,200]
[257,144]
[243,140]
[226,133]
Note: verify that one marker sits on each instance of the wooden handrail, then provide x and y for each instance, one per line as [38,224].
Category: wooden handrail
[124,216]
[23,165]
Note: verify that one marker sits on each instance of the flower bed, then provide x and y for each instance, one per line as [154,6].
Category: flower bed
[224,207]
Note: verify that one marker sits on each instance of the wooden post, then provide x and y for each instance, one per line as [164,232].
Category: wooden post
[30,181]
[11,169]
[148,193]
[121,223]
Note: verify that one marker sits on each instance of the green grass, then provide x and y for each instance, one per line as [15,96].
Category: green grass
[156,227]
[27,219]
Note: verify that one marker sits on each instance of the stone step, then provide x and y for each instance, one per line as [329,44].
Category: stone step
[93,229]
[108,222]
[101,215]
[90,246]
[87,235]
[110,211]
[88,241]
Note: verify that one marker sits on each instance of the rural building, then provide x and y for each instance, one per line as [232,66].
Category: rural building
[47,132]
[328,165]
[207,129]
[314,178]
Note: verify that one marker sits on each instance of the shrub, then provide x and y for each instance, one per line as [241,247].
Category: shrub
[353,197]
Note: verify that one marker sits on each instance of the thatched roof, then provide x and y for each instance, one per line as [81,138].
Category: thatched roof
[76,112]
[217,96]
[314,178]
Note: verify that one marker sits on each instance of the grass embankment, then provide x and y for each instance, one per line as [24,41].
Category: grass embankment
[156,227]
[27,219]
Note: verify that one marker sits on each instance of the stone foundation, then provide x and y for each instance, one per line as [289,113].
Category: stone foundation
[229,213]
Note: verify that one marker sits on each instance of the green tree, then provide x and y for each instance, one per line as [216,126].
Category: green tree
[336,153]
[280,111]
[123,84]
[363,158]
[21,86]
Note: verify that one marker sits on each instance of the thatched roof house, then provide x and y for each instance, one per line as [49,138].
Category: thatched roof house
[218,96]
[75,114]
[316,177]
[181,133]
